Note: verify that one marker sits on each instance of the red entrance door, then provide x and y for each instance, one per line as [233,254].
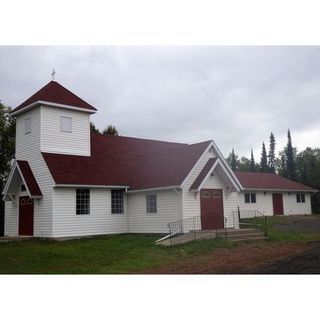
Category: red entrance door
[25,216]
[277,203]
[211,203]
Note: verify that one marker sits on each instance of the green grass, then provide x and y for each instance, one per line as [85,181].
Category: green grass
[128,253]
[107,254]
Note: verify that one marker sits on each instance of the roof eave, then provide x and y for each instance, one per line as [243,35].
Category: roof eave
[51,104]
[282,190]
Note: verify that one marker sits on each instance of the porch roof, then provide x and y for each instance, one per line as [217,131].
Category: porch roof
[21,171]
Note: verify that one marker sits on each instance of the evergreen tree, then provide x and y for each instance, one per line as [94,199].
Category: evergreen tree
[264,159]
[252,163]
[111,130]
[290,159]
[93,128]
[233,160]
[271,155]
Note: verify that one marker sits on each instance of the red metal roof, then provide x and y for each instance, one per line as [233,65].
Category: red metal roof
[29,178]
[137,163]
[56,93]
[268,181]
[196,184]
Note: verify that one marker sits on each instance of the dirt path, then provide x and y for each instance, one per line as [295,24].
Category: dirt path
[306,262]
[244,259]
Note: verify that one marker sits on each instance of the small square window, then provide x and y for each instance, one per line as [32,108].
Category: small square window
[117,201]
[250,198]
[83,201]
[65,124]
[151,203]
[301,198]
[27,125]
[298,197]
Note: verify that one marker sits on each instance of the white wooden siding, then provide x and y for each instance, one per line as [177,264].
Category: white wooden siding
[169,209]
[28,148]
[264,203]
[100,220]
[53,140]
[10,219]
[291,206]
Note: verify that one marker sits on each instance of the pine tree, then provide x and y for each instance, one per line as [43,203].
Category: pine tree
[233,160]
[111,130]
[272,155]
[252,163]
[264,159]
[290,159]
[93,128]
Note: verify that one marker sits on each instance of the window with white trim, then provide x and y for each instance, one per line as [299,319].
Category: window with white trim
[83,201]
[151,203]
[65,124]
[301,198]
[27,125]
[250,198]
[117,201]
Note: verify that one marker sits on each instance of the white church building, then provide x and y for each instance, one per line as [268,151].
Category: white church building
[68,182]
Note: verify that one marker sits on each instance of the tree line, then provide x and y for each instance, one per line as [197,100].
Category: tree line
[303,167]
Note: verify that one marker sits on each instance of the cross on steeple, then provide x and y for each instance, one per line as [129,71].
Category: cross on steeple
[53,74]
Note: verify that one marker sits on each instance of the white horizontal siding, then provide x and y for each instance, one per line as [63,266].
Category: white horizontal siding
[169,209]
[10,219]
[190,201]
[292,207]
[53,140]
[28,148]
[100,220]
[264,203]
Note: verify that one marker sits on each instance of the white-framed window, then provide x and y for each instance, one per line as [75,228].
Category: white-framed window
[301,198]
[250,198]
[151,203]
[83,201]
[117,201]
[65,124]
[27,125]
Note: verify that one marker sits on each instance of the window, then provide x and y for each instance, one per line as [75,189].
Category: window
[65,124]
[151,201]
[250,198]
[83,201]
[301,197]
[27,125]
[116,201]
[23,188]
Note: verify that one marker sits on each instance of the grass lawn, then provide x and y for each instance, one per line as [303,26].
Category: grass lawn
[128,253]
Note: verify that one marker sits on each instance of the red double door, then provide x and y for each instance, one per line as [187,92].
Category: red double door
[211,203]
[25,216]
